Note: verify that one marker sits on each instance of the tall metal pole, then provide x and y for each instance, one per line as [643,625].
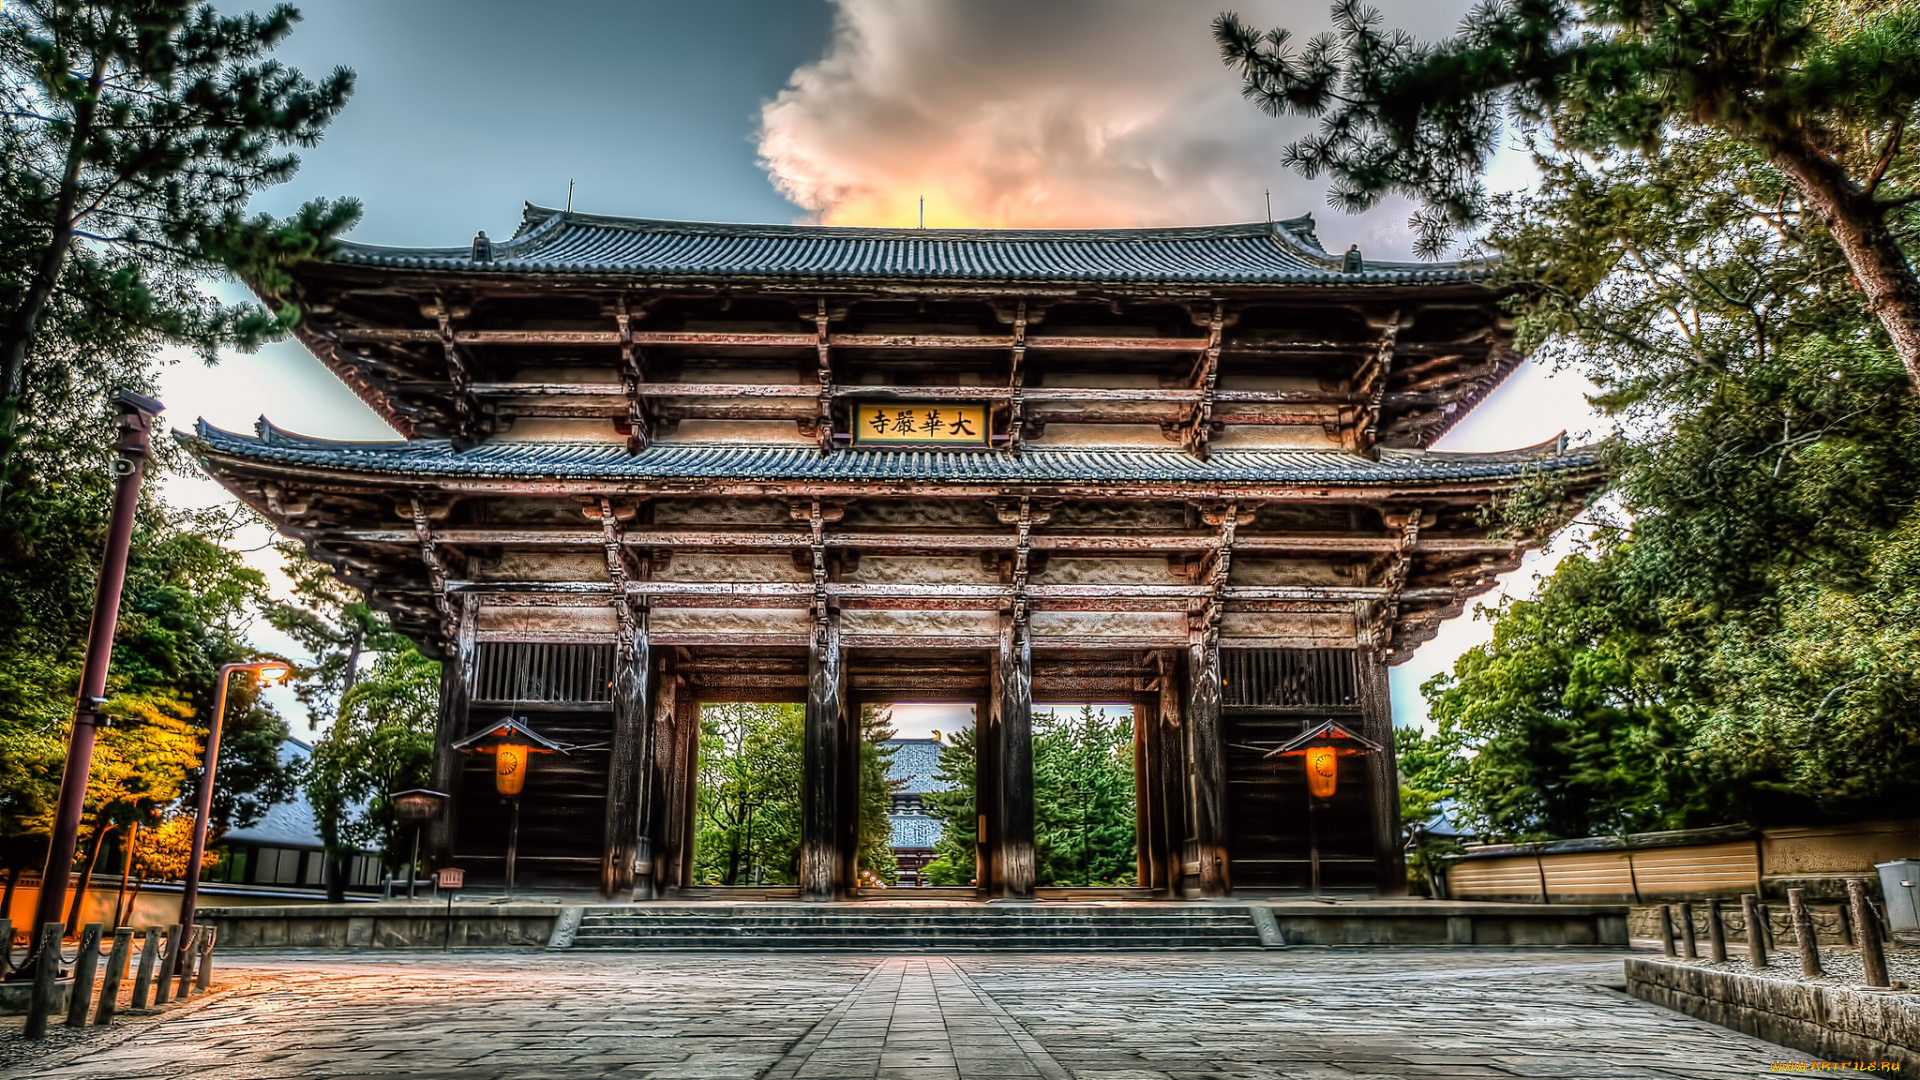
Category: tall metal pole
[203,805]
[132,448]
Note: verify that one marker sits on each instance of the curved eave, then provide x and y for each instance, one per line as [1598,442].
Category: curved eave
[433,461]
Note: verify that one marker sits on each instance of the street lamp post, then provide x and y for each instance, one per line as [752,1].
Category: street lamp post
[131,449]
[203,810]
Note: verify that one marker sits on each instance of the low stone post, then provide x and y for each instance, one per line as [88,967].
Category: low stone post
[116,970]
[189,945]
[46,961]
[1803,933]
[1716,931]
[143,980]
[205,978]
[1686,932]
[1866,931]
[1756,931]
[163,983]
[1666,930]
[80,997]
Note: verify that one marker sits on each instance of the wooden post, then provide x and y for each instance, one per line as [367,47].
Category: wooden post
[456,693]
[80,996]
[1756,931]
[1383,773]
[163,983]
[632,664]
[1145,865]
[1014,861]
[1716,931]
[1206,767]
[1686,932]
[1666,930]
[820,766]
[189,948]
[1866,932]
[1803,933]
[116,970]
[46,970]
[1170,757]
[656,765]
[986,784]
[143,979]
[205,979]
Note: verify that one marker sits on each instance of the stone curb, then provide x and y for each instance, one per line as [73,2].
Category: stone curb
[1834,1023]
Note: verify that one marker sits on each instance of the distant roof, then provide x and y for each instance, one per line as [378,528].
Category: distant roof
[734,461]
[914,765]
[914,830]
[1260,253]
[287,824]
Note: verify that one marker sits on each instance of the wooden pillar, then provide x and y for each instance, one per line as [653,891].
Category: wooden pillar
[627,762]
[686,792]
[1383,776]
[652,874]
[1206,854]
[820,861]
[1146,870]
[1170,772]
[1013,853]
[986,782]
[456,694]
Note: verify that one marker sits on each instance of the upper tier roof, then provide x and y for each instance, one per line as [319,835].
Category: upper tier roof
[697,462]
[1260,253]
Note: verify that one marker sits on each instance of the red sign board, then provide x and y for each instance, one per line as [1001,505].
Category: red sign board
[451,878]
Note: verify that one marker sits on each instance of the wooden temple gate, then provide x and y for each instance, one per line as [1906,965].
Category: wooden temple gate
[652,464]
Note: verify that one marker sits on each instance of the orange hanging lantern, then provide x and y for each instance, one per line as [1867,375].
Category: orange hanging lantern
[510,767]
[512,744]
[1322,747]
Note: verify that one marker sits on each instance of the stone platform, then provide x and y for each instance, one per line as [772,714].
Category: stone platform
[915,926]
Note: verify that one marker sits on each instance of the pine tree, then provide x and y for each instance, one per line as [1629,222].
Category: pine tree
[1823,90]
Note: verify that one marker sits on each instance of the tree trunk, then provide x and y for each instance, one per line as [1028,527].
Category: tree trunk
[1860,228]
[13,880]
[26,318]
[337,866]
[86,876]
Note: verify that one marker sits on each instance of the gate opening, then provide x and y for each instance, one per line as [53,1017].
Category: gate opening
[1085,813]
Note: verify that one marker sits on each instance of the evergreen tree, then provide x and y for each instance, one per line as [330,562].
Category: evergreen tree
[1083,797]
[955,852]
[747,794]
[1823,91]
[134,133]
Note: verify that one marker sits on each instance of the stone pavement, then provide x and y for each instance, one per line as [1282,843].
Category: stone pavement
[1291,1014]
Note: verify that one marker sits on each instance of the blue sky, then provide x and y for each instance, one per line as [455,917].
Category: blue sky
[1083,112]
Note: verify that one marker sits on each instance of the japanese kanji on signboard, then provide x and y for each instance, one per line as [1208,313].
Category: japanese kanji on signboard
[898,422]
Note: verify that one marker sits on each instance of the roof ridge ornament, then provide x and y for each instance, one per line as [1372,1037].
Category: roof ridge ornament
[1353,263]
[482,248]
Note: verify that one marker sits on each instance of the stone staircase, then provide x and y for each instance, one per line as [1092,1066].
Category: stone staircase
[876,928]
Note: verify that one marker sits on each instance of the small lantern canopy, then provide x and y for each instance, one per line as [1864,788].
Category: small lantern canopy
[511,742]
[1322,746]
[419,805]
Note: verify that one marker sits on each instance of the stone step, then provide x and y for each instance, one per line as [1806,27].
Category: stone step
[801,926]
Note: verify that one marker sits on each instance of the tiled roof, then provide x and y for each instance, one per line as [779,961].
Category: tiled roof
[558,242]
[436,458]
[912,830]
[914,765]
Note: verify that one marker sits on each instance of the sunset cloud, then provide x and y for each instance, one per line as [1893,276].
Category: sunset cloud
[1063,113]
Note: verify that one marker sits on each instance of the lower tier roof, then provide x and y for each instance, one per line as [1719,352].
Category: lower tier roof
[695,461]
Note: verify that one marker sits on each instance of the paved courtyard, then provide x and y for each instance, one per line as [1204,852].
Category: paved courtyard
[1307,1014]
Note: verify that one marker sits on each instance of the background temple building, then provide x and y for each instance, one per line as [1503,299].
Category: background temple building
[651,464]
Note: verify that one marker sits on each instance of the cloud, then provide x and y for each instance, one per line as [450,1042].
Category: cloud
[1060,113]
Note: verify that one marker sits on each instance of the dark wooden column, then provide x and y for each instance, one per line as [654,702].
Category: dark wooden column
[1206,854]
[456,694]
[628,761]
[652,874]
[1383,775]
[986,781]
[820,862]
[1013,858]
[1170,776]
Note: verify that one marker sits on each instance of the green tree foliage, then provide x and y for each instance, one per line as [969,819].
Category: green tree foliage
[1823,91]
[135,132]
[874,831]
[1736,646]
[380,744]
[747,808]
[955,853]
[1083,797]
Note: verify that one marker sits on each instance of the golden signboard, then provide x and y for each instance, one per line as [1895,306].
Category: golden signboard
[905,422]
